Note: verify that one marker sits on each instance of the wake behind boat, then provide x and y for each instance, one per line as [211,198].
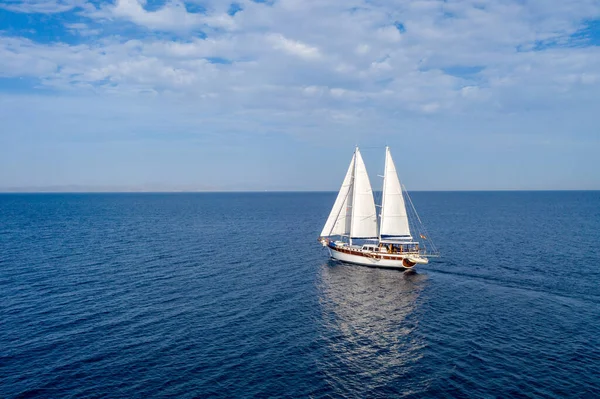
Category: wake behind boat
[361,238]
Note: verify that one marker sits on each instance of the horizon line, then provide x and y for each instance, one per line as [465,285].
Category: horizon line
[274,191]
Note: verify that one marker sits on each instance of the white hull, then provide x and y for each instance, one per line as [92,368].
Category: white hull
[376,260]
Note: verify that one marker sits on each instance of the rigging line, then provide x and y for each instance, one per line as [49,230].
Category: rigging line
[411,204]
[368,217]
[424,229]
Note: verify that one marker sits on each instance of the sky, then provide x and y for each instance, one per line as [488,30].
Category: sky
[274,95]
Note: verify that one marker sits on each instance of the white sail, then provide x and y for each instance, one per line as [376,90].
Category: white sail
[394,220]
[338,222]
[364,216]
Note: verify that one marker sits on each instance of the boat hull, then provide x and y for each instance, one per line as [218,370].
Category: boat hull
[375,260]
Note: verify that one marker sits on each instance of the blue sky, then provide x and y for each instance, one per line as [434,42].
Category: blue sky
[249,95]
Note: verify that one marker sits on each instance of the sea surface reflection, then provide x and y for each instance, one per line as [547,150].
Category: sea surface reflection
[370,321]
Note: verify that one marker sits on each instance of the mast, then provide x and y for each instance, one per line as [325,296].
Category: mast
[383,191]
[353,196]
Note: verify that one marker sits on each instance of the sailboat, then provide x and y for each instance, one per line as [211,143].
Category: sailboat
[368,239]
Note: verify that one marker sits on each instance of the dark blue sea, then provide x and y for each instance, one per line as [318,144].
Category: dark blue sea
[230,295]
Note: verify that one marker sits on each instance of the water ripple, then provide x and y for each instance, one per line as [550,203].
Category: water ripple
[229,295]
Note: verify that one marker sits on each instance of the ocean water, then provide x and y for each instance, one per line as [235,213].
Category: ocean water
[230,295]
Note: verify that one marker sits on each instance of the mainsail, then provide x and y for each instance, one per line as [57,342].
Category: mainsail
[338,222]
[364,217]
[394,220]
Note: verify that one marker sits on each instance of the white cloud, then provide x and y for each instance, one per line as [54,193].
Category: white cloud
[20,58]
[294,47]
[362,49]
[82,29]
[389,34]
[355,59]
[41,6]
[430,107]
[173,16]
